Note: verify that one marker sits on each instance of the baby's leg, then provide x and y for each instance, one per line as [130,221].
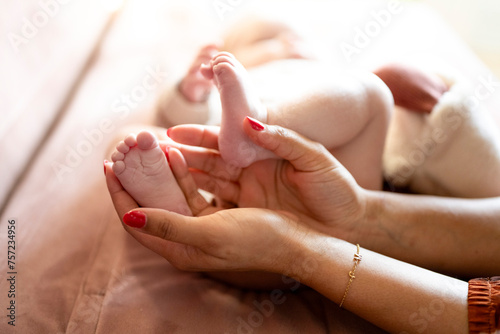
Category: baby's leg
[238,101]
[187,102]
[256,41]
[143,170]
[348,114]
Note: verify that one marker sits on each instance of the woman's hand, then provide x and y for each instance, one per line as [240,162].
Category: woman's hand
[234,239]
[309,181]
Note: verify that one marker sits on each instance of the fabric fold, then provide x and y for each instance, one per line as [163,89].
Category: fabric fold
[484,305]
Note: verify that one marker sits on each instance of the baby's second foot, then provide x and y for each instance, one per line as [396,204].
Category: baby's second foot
[195,87]
[143,170]
[238,101]
[411,87]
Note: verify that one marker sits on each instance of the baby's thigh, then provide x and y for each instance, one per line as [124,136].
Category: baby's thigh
[306,82]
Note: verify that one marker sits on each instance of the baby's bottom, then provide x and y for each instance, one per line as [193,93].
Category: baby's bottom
[349,114]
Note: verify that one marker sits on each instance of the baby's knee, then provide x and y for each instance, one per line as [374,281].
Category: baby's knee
[378,98]
[378,94]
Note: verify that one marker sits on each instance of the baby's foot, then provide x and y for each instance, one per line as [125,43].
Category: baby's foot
[143,170]
[238,101]
[411,87]
[195,87]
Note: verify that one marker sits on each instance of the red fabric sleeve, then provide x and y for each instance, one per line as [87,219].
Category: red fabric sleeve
[484,305]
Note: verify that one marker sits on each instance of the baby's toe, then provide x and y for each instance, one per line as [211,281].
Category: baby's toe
[117,156]
[130,140]
[224,57]
[146,140]
[118,167]
[122,147]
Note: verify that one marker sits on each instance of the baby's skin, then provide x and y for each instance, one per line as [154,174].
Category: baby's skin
[195,87]
[238,101]
[140,163]
[143,170]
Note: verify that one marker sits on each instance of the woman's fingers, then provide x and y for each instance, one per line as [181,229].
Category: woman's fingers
[304,154]
[225,189]
[195,135]
[196,201]
[209,161]
[227,239]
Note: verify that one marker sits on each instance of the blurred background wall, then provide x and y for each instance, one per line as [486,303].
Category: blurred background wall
[478,24]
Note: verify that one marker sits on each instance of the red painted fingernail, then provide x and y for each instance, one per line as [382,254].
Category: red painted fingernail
[105,162]
[256,125]
[135,219]
[168,132]
[167,150]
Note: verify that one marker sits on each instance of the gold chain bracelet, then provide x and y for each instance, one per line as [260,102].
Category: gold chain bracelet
[357,260]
